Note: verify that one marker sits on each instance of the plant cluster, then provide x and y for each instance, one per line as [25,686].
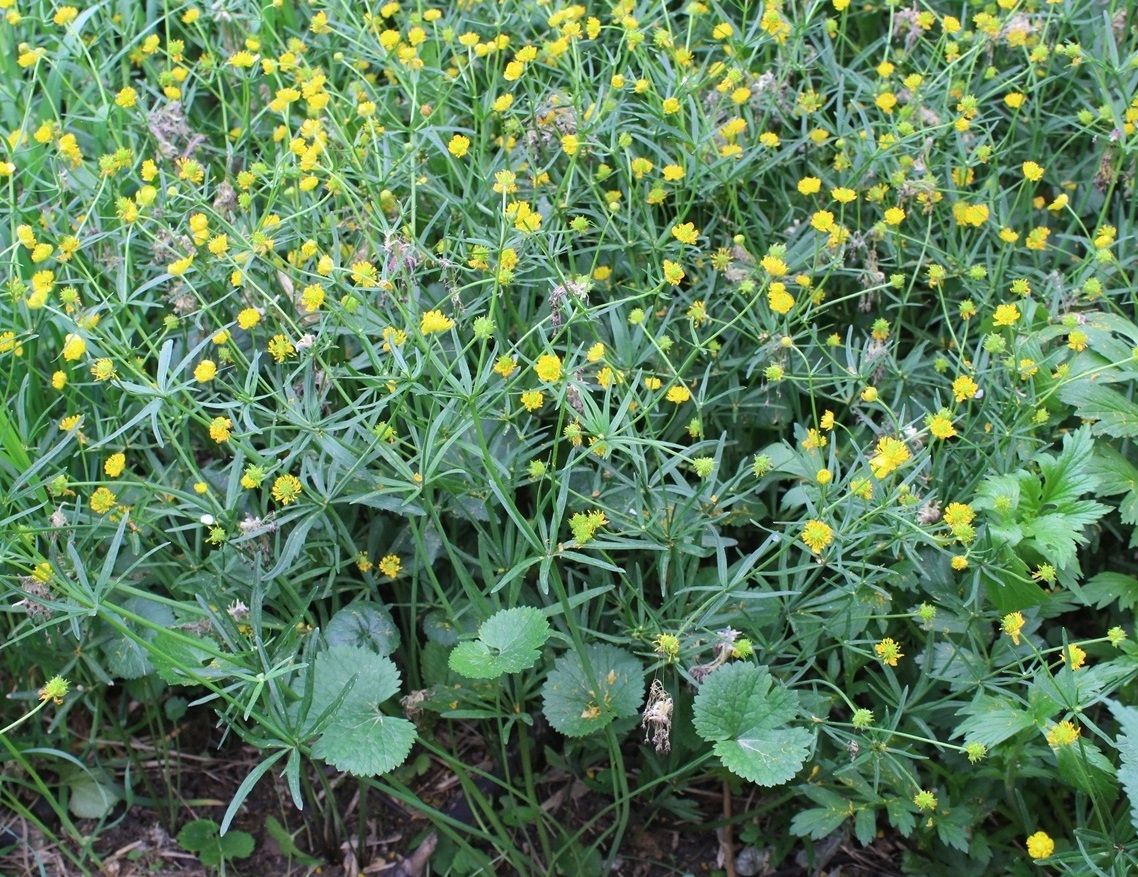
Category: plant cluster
[663,393]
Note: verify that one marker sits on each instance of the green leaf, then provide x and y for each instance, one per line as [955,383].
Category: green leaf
[1067,476]
[365,742]
[508,642]
[992,720]
[1112,412]
[92,795]
[577,702]
[359,738]
[740,708]
[818,822]
[201,836]
[125,652]
[1127,743]
[287,843]
[1106,587]
[1085,767]
[367,625]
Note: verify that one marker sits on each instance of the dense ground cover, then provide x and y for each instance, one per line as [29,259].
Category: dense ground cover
[595,404]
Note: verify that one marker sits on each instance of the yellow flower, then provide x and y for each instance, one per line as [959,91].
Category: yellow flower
[286,489]
[686,233]
[894,216]
[281,348]
[817,535]
[548,367]
[891,453]
[127,97]
[889,651]
[1040,845]
[964,388]
[678,394]
[940,424]
[1007,315]
[102,501]
[73,347]
[505,365]
[459,145]
[219,429]
[435,321]
[205,372]
[809,186]
[390,565]
[779,300]
[1062,734]
[248,318]
[958,513]
[532,400]
[1012,625]
[822,220]
[959,562]
[1074,656]
[114,465]
[1032,171]
[181,266]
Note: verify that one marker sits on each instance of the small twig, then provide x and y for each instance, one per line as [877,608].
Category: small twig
[728,831]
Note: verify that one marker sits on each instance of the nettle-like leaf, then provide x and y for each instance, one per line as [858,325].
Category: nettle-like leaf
[363,624]
[508,642]
[740,709]
[359,737]
[577,702]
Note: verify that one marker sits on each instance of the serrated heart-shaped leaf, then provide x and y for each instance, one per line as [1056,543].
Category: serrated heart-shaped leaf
[741,709]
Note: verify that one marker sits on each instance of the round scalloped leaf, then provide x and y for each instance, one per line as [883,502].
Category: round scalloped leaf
[126,657]
[740,708]
[376,679]
[442,630]
[577,704]
[364,624]
[508,642]
[359,737]
[365,742]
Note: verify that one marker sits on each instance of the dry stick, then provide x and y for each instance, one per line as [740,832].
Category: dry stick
[728,831]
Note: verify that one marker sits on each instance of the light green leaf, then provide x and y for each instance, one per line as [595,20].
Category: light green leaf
[1112,413]
[365,742]
[509,641]
[740,708]
[992,720]
[92,794]
[1127,743]
[363,624]
[201,836]
[1105,588]
[578,703]
[359,737]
